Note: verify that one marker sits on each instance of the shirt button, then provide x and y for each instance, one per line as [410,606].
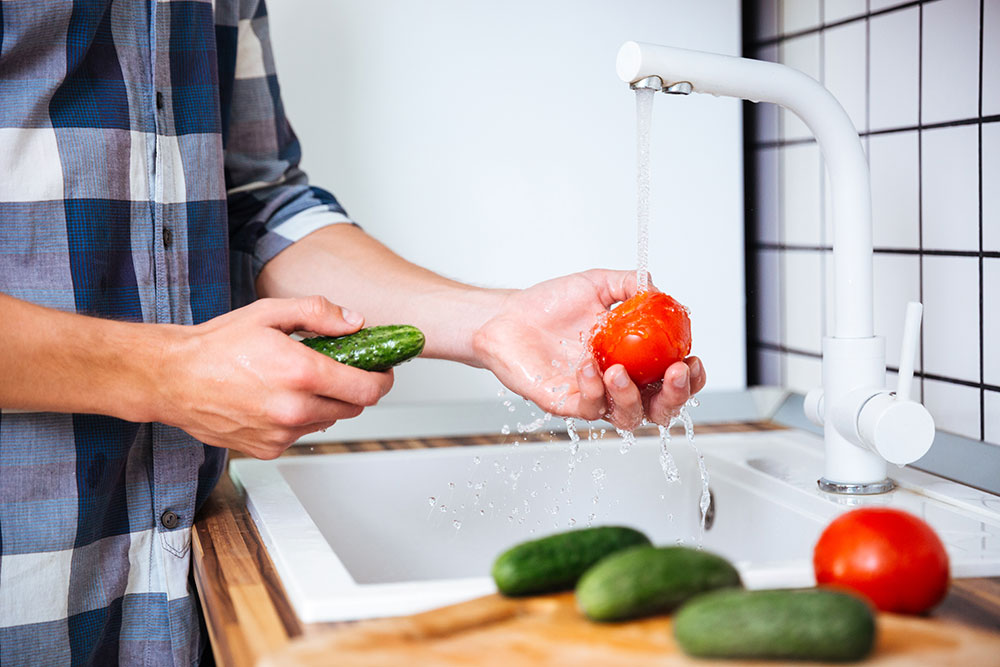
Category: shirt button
[168,237]
[169,520]
[159,100]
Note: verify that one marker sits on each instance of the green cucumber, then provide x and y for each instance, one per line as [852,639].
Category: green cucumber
[776,625]
[643,581]
[372,349]
[555,563]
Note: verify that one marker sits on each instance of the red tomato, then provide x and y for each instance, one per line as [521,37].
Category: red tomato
[646,334]
[891,557]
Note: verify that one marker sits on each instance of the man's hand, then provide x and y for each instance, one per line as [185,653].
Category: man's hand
[239,381]
[536,346]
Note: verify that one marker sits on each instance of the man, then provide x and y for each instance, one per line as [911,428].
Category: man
[149,185]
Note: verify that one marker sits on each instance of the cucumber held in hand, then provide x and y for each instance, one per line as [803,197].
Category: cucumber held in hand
[372,349]
[644,581]
[776,625]
[554,563]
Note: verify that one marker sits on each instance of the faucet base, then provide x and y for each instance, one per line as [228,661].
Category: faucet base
[867,489]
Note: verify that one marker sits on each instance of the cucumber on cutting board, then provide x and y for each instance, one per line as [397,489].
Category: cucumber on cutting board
[775,625]
[643,581]
[372,349]
[555,563]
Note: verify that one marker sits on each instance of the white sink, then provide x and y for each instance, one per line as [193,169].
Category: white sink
[355,535]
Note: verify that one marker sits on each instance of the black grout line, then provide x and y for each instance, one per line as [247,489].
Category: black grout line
[770,41]
[782,305]
[920,183]
[751,222]
[990,254]
[982,329]
[784,349]
[978,120]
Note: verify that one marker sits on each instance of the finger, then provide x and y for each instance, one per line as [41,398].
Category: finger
[697,373]
[334,380]
[296,411]
[310,313]
[615,286]
[591,403]
[674,393]
[626,402]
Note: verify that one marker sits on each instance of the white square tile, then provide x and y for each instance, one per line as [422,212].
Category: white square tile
[838,10]
[800,194]
[802,312]
[991,58]
[950,181]
[897,281]
[895,69]
[34,588]
[802,53]
[769,367]
[895,178]
[950,60]
[991,321]
[766,195]
[951,317]
[799,15]
[992,401]
[36,172]
[803,374]
[876,5]
[991,186]
[955,407]
[844,61]
[767,298]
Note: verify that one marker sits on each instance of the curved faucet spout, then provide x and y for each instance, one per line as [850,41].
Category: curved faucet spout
[850,188]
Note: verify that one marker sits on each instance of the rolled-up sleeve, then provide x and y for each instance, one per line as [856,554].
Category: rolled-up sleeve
[270,201]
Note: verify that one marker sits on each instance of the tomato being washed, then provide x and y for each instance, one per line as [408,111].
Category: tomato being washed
[646,334]
[891,557]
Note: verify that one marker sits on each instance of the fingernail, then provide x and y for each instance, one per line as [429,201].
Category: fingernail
[588,370]
[695,368]
[621,379]
[351,317]
[681,380]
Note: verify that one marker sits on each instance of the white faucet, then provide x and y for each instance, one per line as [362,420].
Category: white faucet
[864,424]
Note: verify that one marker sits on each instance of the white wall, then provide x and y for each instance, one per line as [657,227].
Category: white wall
[493,143]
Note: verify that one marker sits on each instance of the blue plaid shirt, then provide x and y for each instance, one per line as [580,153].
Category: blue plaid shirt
[147,173]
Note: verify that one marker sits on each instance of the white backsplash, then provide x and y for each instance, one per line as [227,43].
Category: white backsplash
[921,82]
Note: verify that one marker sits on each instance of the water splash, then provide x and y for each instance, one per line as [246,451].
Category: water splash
[628,439]
[684,417]
[670,471]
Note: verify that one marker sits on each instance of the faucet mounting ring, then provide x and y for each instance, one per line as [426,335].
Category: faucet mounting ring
[867,489]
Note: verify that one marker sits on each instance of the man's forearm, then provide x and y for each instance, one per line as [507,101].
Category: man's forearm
[63,362]
[352,269]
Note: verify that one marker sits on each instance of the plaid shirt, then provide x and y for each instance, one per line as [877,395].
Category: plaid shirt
[147,173]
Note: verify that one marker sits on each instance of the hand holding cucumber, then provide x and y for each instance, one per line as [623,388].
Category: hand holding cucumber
[239,381]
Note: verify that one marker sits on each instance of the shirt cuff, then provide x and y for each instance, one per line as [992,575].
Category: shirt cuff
[287,232]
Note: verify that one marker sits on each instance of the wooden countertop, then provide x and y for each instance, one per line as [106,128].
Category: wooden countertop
[249,616]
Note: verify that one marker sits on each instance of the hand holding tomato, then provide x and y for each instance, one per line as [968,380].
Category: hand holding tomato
[891,557]
[536,343]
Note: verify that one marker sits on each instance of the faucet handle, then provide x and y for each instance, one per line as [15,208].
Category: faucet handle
[908,351]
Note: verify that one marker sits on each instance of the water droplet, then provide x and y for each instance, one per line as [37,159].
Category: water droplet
[572,522]
[555,364]
[468,484]
[505,430]
[476,460]
[482,512]
[598,474]
[457,524]
[431,501]
[533,494]
[501,392]
[443,508]
[451,485]
[511,408]
[537,467]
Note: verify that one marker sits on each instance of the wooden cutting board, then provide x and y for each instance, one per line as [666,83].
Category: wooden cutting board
[549,630]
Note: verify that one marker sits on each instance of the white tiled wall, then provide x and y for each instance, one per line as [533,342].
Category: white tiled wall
[921,82]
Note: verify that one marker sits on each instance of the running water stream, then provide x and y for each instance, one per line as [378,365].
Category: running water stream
[644,121]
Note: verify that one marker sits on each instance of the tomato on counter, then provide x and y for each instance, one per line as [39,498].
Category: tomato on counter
[891,557]
[646,334]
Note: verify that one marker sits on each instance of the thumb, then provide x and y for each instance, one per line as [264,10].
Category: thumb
[311,313]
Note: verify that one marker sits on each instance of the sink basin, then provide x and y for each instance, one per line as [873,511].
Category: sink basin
[396,532]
